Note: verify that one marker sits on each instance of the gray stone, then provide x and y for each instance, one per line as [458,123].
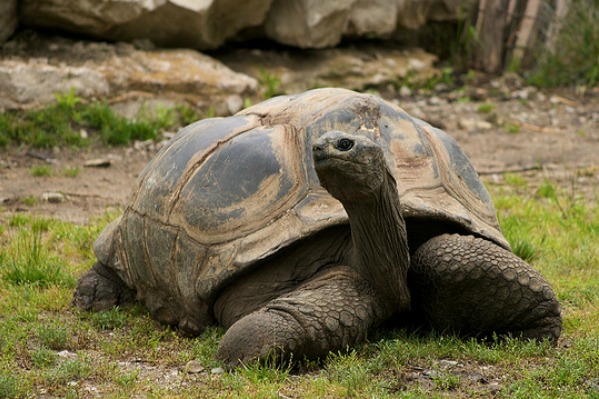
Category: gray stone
[127,77]
[30,83]
[474,124]
[194,367]
[234,103]
[308,23]
[207,24]
[53,197]
[357,67]
[319,24]
[182,23]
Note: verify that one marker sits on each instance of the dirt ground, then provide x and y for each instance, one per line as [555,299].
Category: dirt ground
[502,125]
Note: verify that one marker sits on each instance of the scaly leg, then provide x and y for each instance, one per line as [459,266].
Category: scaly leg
[329,312]
[100,288]
[474,287]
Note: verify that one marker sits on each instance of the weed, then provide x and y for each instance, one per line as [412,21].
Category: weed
[525,250]
[44,358]
[61,124]
[18,219]
[445,380]
[485,108]
[10,385]
[41,171]
[514,179]
[109,320]
[187,114]
[67,100]
[511,127]
[29,201]
[271,84]
[71,171]
[547,190]
[575,57]
[28,262]
[53,337]
[446,76]
[69,370]
[204,347]
[114,129]
[127,380]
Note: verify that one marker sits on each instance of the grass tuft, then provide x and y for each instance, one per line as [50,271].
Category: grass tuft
[575,57]
[70,122]
[27,261]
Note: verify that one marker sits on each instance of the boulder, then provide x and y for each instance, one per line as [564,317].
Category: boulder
[8,19]
[318,24]
[358,67]
[202,24]
[207,24]
[308,23]
[34,82]
[31,73]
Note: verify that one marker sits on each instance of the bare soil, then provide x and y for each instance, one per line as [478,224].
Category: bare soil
[503,127]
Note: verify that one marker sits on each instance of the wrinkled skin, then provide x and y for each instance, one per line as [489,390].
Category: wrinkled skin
[326,293]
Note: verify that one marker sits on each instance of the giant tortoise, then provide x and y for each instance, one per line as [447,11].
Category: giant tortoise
[302,222]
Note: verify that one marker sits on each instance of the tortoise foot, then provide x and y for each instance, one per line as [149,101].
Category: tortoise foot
[472,286]
[329,312]
[100,289]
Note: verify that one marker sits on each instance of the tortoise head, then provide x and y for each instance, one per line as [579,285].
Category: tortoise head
[350,167]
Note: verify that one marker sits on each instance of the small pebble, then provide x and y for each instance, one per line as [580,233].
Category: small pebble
[53,197]
[97,163]
[194,367]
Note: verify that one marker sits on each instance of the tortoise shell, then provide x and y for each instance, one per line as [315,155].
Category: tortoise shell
[226,193]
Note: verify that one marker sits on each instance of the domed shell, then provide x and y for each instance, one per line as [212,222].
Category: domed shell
[225,193]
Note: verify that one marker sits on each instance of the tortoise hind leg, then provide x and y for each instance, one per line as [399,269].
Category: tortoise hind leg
[100,288]
[328,312]
[472,286]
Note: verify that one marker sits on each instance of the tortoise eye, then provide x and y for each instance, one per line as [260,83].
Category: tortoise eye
[345,144]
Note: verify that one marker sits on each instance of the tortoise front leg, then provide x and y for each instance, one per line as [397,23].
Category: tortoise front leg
[100,288]
[329,312]
[472,286]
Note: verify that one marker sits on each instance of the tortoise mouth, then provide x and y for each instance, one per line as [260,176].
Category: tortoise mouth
[333,162]
[326,158]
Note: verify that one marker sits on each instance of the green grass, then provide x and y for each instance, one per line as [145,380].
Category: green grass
[41,171]
[485,108]
[70,122]
[270,84]
[575,57]
[47,346]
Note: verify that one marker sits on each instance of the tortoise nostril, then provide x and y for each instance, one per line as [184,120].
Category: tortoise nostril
[318,146]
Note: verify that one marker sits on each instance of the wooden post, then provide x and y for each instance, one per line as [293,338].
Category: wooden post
[511,31]
[490,27]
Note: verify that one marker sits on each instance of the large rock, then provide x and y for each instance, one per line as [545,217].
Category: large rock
[308,23]
[358,67]
[201,24]
[317,24]
[31,73]
[207,24]
[8,19]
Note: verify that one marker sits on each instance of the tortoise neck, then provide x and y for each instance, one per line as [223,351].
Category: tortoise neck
[380,242]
